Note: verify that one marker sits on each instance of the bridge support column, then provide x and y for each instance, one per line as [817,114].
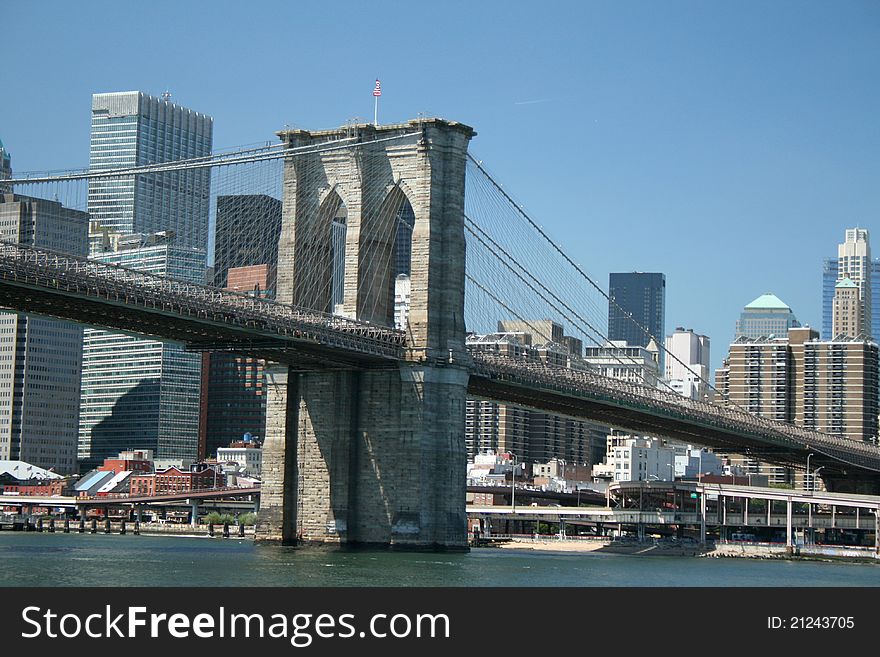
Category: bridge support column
[194,513]
[703,517]
[379,456]
[383,459]
[276,519]
[877,530]
[812,531]
[788,527]
[374,454]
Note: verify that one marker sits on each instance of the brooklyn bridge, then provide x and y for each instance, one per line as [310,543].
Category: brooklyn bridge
[365,422]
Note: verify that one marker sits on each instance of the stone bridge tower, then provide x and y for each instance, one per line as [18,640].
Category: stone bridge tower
[373,456]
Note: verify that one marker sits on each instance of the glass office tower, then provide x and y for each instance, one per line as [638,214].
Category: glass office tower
[830,276]
[40,358]
[131,129]
[642,295]
[138,393]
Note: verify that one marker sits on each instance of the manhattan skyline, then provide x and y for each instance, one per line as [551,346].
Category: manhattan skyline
[728,148]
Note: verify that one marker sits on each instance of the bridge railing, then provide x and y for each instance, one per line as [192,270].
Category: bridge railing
[47,269]
[583,382]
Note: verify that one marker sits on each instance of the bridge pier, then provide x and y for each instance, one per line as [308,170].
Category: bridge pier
[788,525]
[372,458]
[373,454]
[194,513]
[276,521]
[877,530]
[703,517]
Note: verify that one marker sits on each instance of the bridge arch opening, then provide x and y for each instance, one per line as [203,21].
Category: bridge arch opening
[321,247]
[405,221]
[386,261]
[338,233]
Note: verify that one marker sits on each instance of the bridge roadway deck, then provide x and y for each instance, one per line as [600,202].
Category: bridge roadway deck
[582,393]
[205,318]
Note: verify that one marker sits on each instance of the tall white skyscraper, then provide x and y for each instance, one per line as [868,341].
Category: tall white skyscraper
[688,376]
[854,263]
[40,358]
[402,293]
[136,393]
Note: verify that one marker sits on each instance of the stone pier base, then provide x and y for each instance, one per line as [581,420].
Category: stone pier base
[366,458]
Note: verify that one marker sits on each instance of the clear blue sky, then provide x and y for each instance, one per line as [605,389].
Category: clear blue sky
[727,145]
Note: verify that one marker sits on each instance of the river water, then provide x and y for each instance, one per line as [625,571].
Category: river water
[32,559]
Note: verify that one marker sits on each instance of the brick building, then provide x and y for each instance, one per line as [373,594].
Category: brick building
[199,477]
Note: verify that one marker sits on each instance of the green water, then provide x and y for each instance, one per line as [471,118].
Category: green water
[31,559]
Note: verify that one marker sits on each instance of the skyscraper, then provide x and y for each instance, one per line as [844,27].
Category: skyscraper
[5,168]
[830,386]
[853,261]
[40,358]
[638,302]
[766,316]
[406,220]
[130,129]
[233,400]
[136,393]
[402,292]
[239,218]
[139,393]
[338,228]
[688,372]
[847,310]
[533,436]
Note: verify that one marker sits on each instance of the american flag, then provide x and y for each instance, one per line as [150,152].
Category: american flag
[378,90]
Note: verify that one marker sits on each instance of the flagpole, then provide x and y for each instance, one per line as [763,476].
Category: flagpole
[377,91]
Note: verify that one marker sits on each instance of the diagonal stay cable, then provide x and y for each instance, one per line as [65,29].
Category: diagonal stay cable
[577,268]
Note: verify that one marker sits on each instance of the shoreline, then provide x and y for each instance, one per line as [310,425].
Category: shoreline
[759,551]
[180,531]
[828,554]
